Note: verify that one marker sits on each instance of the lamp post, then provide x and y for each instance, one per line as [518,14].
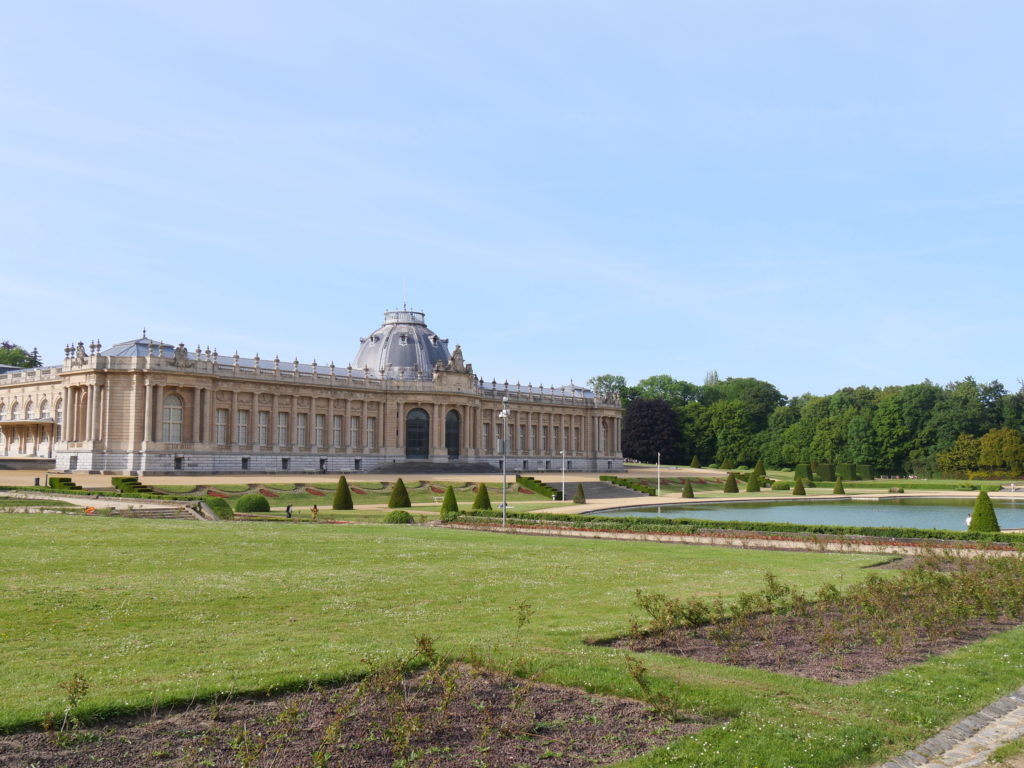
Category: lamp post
[563,474]
[504,457]
[659,473]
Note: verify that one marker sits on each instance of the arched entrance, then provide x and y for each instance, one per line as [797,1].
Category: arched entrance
[417,434]
[451,434]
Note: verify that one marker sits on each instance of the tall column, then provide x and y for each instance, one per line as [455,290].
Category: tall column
[90,416]
[197,396]
[158,412]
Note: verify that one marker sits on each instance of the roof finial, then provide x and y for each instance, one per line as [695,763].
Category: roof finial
[143,332]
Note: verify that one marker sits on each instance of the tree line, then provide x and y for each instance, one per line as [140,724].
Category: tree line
[962,428]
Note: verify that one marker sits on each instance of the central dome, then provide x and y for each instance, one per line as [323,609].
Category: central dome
[402,347]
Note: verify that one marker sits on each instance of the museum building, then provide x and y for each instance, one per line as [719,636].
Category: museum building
[144,406]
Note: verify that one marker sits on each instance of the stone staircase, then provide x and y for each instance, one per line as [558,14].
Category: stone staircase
[157,513]
[595,491]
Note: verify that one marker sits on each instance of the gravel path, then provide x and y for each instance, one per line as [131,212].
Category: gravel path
[970,742]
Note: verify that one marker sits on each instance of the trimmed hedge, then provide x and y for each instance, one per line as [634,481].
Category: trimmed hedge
[65,484]
[865,472]
[695,525]
[825,472]
[802,472]
[695,462]
[535,485]
[781,485]
[687,489]
[635,485]
[220,507]
[798,487]
[252,502]
[130,485]
[730,484]
[846,471]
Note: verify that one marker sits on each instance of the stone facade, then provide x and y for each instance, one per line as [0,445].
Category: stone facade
[147,407]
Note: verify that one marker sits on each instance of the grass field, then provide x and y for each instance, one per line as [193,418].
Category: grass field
[153,612]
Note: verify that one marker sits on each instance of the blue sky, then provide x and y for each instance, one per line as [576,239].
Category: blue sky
[814,194]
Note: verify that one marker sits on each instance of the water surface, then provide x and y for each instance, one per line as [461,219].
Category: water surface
[944,514]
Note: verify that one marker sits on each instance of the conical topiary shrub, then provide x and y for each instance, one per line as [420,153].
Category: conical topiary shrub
[728,464]
[695,462]
[753,483]
[983,518]
[342,495]
[730,484]
[579,497]
[399,498]
[838,487]
[449,506]
[687,489]
[798,487]
[759,468]
[482,500]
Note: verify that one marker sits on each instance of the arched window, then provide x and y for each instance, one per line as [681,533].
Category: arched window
[174,413]
[15,412]
[44,409]
[451,433]
[30,410]
[417,434]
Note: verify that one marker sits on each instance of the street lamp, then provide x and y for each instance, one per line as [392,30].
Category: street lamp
[659,473]
[504,457]
[563,474]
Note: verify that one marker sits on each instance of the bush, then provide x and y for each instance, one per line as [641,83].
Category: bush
[482,500]
[399,497]
[759,468]
[695,462]
[342,495]
[896,489]
[983,519]
[798,487]
[802,472]
[727,464]
[825,472]
[754,483]
[252,502]
[865,472]
[398,517]
[64,484]
[687,489]
[838,487]
[579,497]
[220,507]
[449,506]
[730,484]
[535,485]
[781,485]
[130,485]
[846,471]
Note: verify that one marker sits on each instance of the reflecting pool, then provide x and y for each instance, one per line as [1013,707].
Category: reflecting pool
[945,514]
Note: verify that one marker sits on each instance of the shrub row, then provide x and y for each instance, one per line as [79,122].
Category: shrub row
[689,525]
[634,485]
[130,485]
[220,507]
[95,493]
[535,485]
[64,484]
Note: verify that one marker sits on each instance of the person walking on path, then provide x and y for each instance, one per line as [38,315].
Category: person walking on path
[315,512]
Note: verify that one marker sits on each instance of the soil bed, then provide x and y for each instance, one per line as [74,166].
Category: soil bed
[786,644]
[447,718]
[934,605]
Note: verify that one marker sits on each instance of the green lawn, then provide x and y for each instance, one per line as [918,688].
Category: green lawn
[152,612]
